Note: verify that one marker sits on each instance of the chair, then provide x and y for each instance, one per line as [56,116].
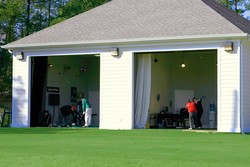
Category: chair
[152,120]
[184,117]
[6,118]
[92,119]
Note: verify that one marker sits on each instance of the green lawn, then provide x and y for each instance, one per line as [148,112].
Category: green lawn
[54,147]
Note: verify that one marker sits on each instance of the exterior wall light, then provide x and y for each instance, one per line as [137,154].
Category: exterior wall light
[228,46]
[19,55]
[115,52]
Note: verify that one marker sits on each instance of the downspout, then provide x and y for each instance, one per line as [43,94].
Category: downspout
[241,87]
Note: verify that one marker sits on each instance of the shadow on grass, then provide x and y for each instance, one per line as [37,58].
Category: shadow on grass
[40,130]
[70,130]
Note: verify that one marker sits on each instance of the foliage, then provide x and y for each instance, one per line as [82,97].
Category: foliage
[239,6]
[74,7]
[5,72]
[19,18]
[11,23]
[12,17]
[40,13]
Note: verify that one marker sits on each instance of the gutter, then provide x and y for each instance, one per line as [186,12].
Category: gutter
[13,46]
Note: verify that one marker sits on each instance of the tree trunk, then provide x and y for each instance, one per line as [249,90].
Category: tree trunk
[28,18]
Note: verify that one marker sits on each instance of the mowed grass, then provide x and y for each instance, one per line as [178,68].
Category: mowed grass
[89,147]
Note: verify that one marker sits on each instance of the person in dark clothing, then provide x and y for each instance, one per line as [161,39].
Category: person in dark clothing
[80,115]
[64,114]
[74,115]
[46,119]
[199,111]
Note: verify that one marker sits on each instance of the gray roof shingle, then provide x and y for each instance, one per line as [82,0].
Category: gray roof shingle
[141,19]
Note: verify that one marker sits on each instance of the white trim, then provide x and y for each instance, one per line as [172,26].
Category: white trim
[140,48]
[62,52]
[239,49]
[133,92]
[135,40]
[28,58]
[241,88]
[218,88]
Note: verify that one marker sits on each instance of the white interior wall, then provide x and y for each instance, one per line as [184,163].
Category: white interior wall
[85,82]
[160,83]
[94,100]
[180,99]
[200,75]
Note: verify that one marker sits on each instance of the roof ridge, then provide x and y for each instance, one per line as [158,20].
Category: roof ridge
[239,21]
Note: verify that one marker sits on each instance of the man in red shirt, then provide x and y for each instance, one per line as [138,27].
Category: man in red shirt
[192,113]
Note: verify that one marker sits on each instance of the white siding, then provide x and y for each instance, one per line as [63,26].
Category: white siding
[20,107]
[229,90]
[116,91]
[246,87]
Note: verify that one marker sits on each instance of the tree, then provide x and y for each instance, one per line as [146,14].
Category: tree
[5,73]
[19,18]
[11,21]
[75,7]
[12,18]
[40,13]
[239,6]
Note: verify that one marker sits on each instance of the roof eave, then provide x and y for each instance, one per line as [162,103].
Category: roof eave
[129,41]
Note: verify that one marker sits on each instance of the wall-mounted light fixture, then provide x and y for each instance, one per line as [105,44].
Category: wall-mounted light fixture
[50,65]
[115,52]
[19,55]
[228,46]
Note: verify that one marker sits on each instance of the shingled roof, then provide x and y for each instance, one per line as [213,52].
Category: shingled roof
[138,20]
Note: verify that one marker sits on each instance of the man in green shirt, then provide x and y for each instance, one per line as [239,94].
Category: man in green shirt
[87,111]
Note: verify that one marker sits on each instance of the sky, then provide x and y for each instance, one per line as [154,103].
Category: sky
[247,14]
